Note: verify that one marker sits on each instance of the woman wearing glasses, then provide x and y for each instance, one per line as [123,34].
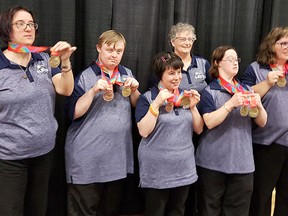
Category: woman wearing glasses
[267,76]
[28,86]
[224,156]
[195,75]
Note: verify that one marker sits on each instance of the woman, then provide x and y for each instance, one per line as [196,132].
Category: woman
[166,152]
[28,86]
[224,156]
[195,72]
[195,75]
[267,76]
[99,148]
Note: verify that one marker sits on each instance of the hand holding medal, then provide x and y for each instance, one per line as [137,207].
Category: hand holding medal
[60,52]
[108,93]
[280,74]
[129,85]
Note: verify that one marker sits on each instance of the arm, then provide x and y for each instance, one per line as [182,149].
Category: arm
[215,118]
[261,119]
[198,122]
[133,84]
[147,124]
[85,101]
[64,82]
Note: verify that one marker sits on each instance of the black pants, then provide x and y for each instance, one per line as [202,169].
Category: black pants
[221,194]
[101,199]
[24,186]
[271,172]
[168,202]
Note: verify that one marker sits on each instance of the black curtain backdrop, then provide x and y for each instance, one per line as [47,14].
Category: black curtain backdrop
[145,25]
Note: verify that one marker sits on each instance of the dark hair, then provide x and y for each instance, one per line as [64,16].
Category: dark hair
[266,53]
[165,60]
[6,19]
[217,56]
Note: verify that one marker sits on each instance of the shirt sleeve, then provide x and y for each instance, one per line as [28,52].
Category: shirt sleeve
[206,104]
[142,108]
[249,76]
[71,100]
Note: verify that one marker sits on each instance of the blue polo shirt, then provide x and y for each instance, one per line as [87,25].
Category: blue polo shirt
[226,148]
[275,103]
[197,75]
[99,145]
[27,123]
[166,156]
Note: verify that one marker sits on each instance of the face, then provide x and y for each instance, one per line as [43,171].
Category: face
[24,36]
[183,42]
[229,65]
[281,49]
[111,55]
[171,78]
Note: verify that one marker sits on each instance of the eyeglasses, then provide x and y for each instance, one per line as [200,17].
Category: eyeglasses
[232,60]
[23,25]
[183,39]
[284,45]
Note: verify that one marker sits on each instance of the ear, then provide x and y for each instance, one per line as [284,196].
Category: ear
[98,48]
[172,43]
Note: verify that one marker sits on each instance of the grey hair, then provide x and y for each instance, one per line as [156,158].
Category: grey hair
[180,27]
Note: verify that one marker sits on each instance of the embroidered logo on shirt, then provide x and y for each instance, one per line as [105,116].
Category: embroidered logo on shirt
[199,75]
[41,69]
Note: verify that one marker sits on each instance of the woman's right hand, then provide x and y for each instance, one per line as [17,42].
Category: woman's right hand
[162,96]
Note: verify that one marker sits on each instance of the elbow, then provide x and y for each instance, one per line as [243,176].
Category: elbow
[143,134]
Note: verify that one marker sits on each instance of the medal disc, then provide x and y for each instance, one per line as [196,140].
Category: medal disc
[108,95]
[126,91]
[253,112]
[54,61]
[169,107]
[244,111]
[281,82]
[185,102]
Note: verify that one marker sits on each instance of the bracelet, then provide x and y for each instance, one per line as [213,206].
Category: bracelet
[226,108]
[153,112]
[65,69]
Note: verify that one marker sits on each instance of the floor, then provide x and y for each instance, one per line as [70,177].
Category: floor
[273,202]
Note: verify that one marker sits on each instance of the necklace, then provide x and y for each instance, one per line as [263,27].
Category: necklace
[24,75]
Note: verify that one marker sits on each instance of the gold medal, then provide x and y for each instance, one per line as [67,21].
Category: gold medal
[253,112]
[281,82]
[169,106]
[54,61]
[244,111]
[185,102]
[108,95]
[126,91]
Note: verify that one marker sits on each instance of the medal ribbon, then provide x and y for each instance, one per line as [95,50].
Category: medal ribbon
[176,97]
[114,77]
[232,89]
[29,49]
[275,68]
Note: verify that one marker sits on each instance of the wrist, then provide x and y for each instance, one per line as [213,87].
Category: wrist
[229,109]
[153,111]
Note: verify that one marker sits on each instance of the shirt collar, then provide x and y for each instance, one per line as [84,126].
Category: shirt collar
[4,62]
[97,69]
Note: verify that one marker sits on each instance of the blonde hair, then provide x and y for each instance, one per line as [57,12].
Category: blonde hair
[110,37]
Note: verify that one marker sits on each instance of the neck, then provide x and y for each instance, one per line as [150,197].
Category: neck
[19,58]
[228,79]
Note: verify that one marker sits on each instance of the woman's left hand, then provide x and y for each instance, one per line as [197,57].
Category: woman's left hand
[132,83]
[64,50]
[194,97]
